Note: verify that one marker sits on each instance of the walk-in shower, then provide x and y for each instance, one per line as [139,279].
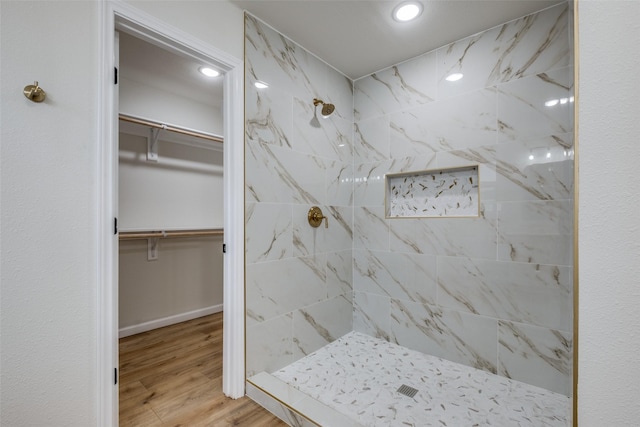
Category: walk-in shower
[385,318]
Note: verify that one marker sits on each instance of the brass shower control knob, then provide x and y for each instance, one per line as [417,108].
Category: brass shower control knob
[315,217]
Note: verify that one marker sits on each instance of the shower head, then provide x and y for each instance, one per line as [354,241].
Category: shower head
[327,109]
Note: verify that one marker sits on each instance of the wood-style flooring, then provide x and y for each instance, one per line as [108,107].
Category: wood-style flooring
[172,376]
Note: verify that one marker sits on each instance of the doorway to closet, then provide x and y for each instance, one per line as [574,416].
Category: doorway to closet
[170,188]
[123,18]
[170,215]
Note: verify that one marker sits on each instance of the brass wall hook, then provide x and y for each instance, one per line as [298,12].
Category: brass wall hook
[34,92]
[315,217]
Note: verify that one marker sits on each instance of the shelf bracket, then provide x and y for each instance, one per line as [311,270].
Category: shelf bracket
[152,248]
[152,144]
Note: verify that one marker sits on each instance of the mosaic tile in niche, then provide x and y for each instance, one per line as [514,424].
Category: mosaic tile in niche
[447,192]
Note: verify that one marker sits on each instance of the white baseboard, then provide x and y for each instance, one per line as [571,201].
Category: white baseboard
[170,320]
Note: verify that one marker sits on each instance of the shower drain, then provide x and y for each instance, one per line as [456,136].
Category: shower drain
[407,391]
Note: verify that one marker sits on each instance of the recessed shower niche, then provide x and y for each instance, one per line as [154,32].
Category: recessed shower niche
[451,192]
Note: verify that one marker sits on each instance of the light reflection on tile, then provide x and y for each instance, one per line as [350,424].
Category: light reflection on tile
[280,62]
[339,183]
[536,169]
[536,106]
[266,118]
[523,47]
[369,183]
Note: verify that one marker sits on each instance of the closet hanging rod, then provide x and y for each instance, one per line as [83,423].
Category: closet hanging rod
[170,128]
[133,235]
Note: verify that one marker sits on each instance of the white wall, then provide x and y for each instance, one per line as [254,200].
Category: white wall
[48,229]
[145,101]
[49,197]
[181,191]
[609,155]
[184,282]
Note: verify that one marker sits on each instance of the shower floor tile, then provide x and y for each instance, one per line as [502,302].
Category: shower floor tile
[360,376]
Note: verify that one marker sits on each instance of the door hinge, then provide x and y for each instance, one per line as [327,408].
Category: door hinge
[115,225]
[115,80]
[115,376]
[224,248]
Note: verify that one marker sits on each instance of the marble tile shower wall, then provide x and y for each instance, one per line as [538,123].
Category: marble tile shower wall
[298,278]
[493,292]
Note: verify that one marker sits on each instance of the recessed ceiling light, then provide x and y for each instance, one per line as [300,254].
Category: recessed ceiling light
[454,77]
[209,72]
[407,11]
[260,85]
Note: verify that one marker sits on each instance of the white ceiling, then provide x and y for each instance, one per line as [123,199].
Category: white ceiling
[148,64]
[359,37]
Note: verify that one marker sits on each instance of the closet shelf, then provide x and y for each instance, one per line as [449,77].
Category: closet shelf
[134,235]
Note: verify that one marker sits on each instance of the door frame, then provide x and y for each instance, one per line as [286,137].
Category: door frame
[118,16]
